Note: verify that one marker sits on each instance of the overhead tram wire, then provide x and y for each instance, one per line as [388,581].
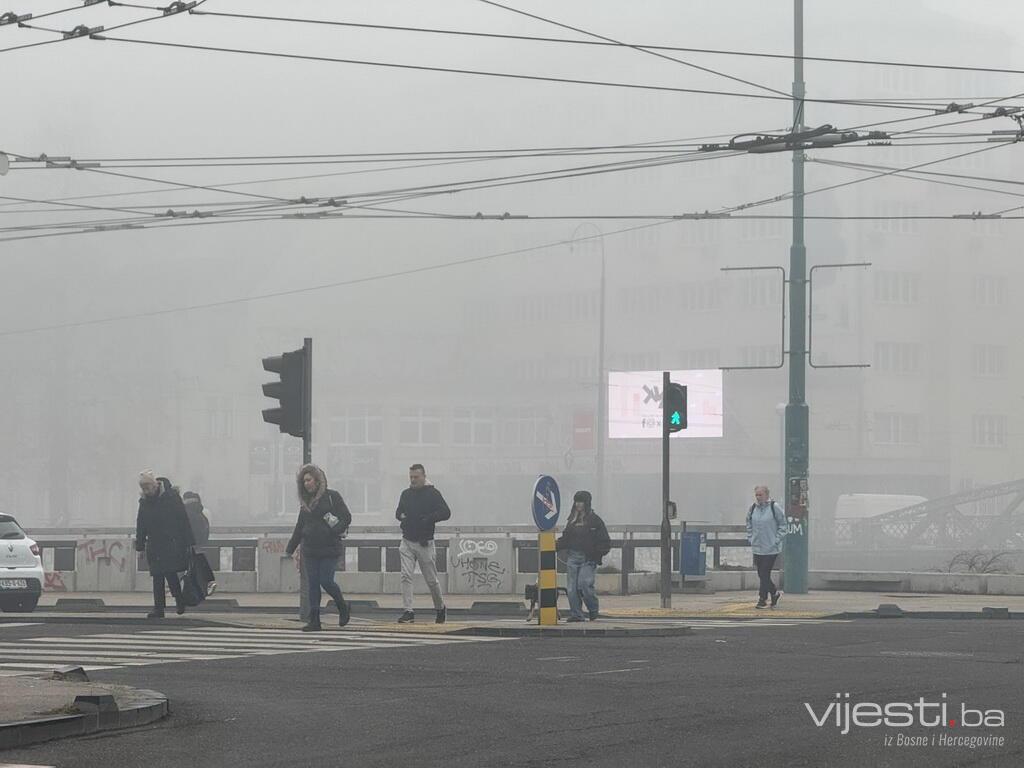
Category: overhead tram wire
[106,29]
[287,178]
[400,194]
[596,43]
[639,49]
[910,176]
[451,187]
[790,195]
[485,73]
[429,267]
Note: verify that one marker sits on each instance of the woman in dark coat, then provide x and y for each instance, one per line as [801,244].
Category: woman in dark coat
[323,520]
[163,533]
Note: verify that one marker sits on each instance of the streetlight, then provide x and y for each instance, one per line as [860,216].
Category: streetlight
[602,394]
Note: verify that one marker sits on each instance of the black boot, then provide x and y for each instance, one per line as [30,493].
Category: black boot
[344,611]
[156,613]
[314,624]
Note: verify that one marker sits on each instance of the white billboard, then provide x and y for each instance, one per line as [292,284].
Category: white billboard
[634,403]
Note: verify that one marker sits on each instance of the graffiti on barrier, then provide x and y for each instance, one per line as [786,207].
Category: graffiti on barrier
[481,574]
[274,546]
[95,549]
[476,548]
[54,582]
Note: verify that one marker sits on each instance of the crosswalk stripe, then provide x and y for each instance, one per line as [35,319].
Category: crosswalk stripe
[112,650]
[130,642]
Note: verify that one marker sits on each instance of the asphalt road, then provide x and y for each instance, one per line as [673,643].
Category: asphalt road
[720,697]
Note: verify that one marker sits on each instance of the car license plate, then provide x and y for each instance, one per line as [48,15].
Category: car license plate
[13,584]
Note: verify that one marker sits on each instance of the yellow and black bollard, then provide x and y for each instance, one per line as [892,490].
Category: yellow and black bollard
[547,579]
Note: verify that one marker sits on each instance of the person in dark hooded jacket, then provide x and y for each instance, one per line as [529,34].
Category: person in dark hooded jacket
[163,533]
[197,519]
[323,520]
[587,542]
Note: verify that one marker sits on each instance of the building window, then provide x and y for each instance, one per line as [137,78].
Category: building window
[761,291]
[897,428]
[763,229]
[895,217]
[526,428]
[219,418]
[898,357]
[989,360]
[419,426]
[989,291]
[762,355]
[897,287]
[583,369]
[472,427]
[699,359]
[698,297]
[989,431]
[358,426]
[361,496]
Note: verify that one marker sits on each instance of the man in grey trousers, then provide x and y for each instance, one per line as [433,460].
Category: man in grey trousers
[420,507]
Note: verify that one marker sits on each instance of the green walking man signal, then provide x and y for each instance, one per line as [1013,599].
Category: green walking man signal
[675,407]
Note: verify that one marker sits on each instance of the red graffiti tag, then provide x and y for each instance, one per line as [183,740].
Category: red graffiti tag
[54,582]
[110,550]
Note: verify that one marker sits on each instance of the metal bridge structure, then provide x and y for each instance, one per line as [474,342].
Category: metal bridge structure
[945,523]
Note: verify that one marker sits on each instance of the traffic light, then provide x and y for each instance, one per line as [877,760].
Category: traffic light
[290,391]
[675,407]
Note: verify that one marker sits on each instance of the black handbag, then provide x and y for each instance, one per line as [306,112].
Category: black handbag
[198,583]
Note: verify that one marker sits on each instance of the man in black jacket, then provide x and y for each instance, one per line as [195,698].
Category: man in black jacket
[419,508]
[586,539]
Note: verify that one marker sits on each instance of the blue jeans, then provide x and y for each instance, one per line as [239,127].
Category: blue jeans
[320,573]
[580,575]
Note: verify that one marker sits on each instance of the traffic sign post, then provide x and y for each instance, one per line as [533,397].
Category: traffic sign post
[546,504]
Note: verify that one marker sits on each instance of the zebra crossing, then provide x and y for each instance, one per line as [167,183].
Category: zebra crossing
[115,650]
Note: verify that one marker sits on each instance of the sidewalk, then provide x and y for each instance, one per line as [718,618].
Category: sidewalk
[35,709]
[814,604]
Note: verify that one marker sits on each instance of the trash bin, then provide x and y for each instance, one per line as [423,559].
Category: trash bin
[693,551]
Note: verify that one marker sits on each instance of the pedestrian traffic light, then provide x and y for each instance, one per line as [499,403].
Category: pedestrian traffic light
[290,391]
[675,407]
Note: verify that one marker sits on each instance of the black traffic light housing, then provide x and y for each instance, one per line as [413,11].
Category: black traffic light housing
[293,414]
[675,407]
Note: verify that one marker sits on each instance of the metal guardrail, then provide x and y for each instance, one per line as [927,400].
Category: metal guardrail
[377,546]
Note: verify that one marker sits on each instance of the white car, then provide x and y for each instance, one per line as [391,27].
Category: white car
[21,568]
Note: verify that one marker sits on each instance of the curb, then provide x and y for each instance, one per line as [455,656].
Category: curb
[147,707]
[958,615]
[562,632]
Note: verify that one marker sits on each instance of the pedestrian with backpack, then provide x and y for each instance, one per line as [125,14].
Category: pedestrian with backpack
[323,520]
[766,528]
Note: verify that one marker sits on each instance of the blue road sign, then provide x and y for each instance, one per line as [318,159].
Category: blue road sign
[546,502]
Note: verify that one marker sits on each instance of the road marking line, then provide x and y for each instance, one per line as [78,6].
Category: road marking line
[7,625]
[557,658]
[609,671]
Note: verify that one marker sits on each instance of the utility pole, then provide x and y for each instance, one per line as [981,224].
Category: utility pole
[666,525]
[795,551]
[602,392]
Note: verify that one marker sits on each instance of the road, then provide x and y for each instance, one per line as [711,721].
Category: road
[730,694]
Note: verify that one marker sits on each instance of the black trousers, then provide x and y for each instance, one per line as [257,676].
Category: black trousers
[764,565]
[159,597]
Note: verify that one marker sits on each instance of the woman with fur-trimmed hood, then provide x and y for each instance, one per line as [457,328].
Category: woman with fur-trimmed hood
[323,519]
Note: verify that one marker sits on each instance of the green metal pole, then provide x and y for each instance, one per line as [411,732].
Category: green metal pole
[795,552]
